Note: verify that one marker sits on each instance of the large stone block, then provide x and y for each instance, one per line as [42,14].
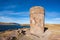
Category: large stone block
[37,20]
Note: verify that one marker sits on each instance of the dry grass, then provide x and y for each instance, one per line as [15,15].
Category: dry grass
[5,33]
[53,26]
[55,31]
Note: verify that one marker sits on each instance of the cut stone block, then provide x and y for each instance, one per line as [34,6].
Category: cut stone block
[37,20]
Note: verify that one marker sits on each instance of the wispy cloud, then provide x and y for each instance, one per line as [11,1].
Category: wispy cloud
[52,17]
[52,22]
[16,20]
[5,18]
[56,19]
[52,14]
[23,17]
[11,16]
[14,13]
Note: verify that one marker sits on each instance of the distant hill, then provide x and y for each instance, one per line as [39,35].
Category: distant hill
[12,26]
[3,23]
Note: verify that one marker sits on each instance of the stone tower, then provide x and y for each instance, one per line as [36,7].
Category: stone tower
[37,20]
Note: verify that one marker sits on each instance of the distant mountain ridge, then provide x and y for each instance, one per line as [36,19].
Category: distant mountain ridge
[3,23]
[12,26]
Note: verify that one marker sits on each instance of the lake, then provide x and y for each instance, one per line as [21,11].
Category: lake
[11,27]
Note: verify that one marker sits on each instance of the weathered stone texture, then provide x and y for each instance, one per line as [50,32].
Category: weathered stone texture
[37,20]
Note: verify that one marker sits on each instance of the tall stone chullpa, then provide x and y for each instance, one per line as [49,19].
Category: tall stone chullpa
[37,20]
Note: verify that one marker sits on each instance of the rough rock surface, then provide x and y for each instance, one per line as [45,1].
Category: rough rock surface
[37,20]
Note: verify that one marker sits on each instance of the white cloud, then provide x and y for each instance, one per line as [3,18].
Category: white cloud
[10,12]
[56,19]
[14,13]
[52,14]
[5,18]
[15,20]
[52,17]
[53,21]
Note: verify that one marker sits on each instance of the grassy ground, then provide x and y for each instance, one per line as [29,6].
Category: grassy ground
[55,35]
[53,26]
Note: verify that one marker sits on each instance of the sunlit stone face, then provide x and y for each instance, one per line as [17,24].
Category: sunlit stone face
[32,21]
[33,11]
[37,20]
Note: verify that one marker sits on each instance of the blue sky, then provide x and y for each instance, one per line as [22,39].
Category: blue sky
[18,10]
